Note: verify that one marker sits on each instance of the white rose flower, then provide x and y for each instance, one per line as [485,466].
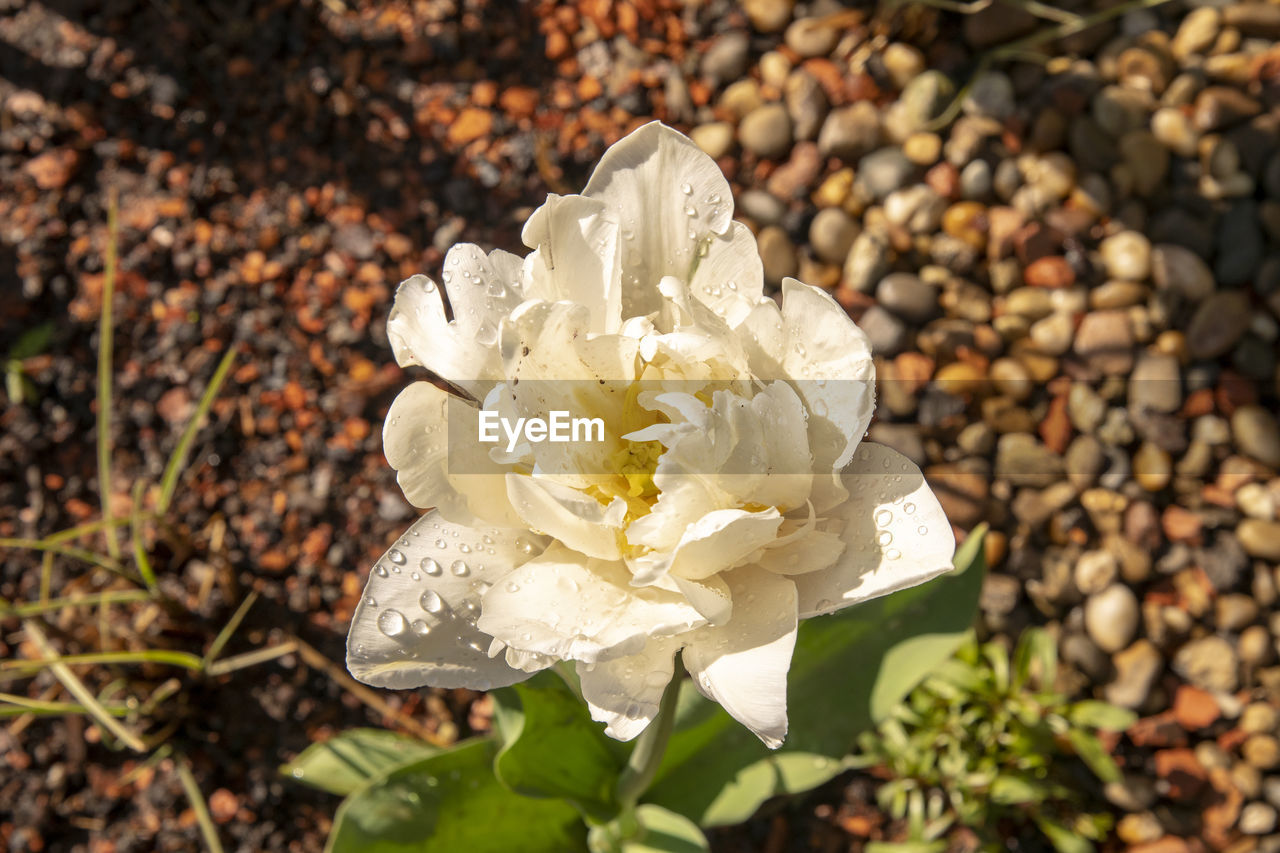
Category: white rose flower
[731,498]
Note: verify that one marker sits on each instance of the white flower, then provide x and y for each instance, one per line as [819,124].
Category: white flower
[732,497]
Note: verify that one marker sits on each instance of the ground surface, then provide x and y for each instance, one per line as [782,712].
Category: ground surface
[280,166]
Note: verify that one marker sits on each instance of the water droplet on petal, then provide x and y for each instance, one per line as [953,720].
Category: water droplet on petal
[430,566]
[908,508]
[732,285]
[800,350]
[512,586]
[459,568]
[487,539]
[431,601]
[922,530]
[430,286]
[440,543]
[883,517]
[820,408]
[419,627]
[396,557]
[893,553]
[464,548]
[380,571]
[686,188]
[884,537]
[391,622]
[415,576]
[487,334]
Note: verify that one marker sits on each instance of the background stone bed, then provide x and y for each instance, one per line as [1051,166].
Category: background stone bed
[1072,283]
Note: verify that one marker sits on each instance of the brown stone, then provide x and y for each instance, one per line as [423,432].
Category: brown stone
[1105,340]
[1194,708]
[1049,271]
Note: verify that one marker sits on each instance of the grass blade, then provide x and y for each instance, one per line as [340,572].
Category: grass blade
[169,482]
[230,628]
[105,351]
[160,656]
[140,558]
[51,605]
[68,551]
[45,708]
[77,688]
[198,804]
[81,530]
[253,658]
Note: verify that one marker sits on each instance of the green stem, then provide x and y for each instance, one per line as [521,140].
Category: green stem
[650,746]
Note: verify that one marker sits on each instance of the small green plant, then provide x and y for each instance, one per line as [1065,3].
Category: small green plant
[985,740]
[30,343]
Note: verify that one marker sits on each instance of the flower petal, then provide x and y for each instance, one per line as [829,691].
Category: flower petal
[717,541]
[895,534]
[743,664]
[625,692]
[428,432]
[575,258]
[568,515]
[669,198]
[730,278]
[571,606]
[482,290]
[416,622]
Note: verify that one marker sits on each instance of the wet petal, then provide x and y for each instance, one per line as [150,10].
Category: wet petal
[625,692]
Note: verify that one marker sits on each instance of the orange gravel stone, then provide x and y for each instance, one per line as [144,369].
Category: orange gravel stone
[470,125]
[1049,271]
[1194,708]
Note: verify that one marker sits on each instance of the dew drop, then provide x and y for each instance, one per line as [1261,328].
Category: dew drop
[893,553]
[430,566]
[396,557]
[714,198]
[453,261]
[512,586]
[431,601]
[415,576]
[391,622]
[419,627]
[884,537]
[459,568]
[690,210]
[908,508]
[464,548]
[487,334]
[825,604]
[800,350]
[446,276]
[686,188]
[487,539]
[883,517]
[922,530]
[820,408]
[732,285]
[524,546]
[440,543]
[430,286]
[380,571]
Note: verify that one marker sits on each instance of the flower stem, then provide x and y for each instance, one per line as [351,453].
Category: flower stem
[651,745]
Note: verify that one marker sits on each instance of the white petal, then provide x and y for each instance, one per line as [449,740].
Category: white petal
[571,606]
[743,664]
[569,516]
[802,547]
[625,692]
[482,290]
[717,541]
[710,596]
[430,438]
[576,258]
[416,622]
[669,198]
[730,278]
[895,534]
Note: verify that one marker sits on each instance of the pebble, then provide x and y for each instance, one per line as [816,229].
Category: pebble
[923,99]
[1119,110]
[768,16]
[1257,434]
[762,207]
[1111,617]
[1137,668]
[1174,129]
[726,59]
[1132,793]
[886,333]
[867,261]
[1156,383]
[990,95]
[1105,340]
[1024,461]
[1240,245]
[776,254]
[1208,663]
[1126,255]
[1094,572]
[1147,160]
[902,62]
[1234,611]
[883,171]
[810,37]
[715,138]
[1085,407]
[1257,819]
[1152,467]
[1053,334]
[766,131]
[1180,270]
[1218,107]
[1255,646]
[1216,326]
[907,296]
[1261,751]
[1259,717]
[807,104]
[850,132]
[1260,538]
[1198,31]
[831,234]
[923,149]
[1256,501]
[1253,18]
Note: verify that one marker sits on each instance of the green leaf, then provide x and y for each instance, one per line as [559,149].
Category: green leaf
[906,846]
[552,747]
[32,342]
[1101,715]
[1035,658]
[1090,750]
[848,672]
[452,803]
[1062,838]
[1012,790]
[352,759]
[663,831]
